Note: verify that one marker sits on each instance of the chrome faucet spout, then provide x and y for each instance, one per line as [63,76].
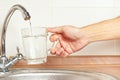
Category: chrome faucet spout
[26,16]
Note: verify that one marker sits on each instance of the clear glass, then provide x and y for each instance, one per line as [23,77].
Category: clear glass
[35,44]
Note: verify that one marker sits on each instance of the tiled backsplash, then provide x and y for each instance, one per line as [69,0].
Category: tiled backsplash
[83,3]
[50,13]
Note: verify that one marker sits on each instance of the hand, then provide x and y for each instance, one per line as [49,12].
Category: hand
[70,39]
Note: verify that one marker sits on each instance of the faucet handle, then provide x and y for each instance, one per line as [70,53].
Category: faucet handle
[18,50]
[19,55]
[13,60]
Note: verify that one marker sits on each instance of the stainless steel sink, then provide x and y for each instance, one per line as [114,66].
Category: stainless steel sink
[38,74]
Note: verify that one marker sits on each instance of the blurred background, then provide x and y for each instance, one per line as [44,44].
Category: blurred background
[50,13]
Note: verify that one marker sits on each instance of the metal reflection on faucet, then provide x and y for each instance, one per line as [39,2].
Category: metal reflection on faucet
[4,62]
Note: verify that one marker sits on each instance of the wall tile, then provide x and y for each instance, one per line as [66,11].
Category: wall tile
[48,13]
[117,11]
[117,3]
[80,16]
[83,3]
[100,48]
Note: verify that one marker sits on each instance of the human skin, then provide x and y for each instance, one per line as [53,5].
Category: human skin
[71,39]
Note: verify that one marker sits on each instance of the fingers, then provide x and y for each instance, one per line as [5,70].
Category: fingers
[54,37]
[56,48]
[59,51]
[55,30]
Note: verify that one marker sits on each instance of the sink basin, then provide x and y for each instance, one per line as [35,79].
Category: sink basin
[38,74]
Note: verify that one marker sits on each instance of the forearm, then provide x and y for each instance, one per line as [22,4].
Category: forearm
[105,30]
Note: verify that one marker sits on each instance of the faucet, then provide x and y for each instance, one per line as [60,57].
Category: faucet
[5,63]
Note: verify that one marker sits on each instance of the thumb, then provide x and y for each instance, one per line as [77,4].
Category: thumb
[55,30]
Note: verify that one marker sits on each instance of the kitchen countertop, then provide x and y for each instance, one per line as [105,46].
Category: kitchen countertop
[105,64]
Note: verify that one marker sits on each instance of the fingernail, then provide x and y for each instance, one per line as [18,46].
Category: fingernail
[57,53]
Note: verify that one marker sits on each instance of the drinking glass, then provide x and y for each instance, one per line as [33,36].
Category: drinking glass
[35,44]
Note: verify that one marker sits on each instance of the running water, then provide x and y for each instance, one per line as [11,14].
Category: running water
[35,45]
[31,32]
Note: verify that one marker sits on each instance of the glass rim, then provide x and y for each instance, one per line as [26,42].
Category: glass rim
[27,31]
[32,28]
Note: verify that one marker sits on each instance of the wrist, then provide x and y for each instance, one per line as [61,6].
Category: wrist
[85,35]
